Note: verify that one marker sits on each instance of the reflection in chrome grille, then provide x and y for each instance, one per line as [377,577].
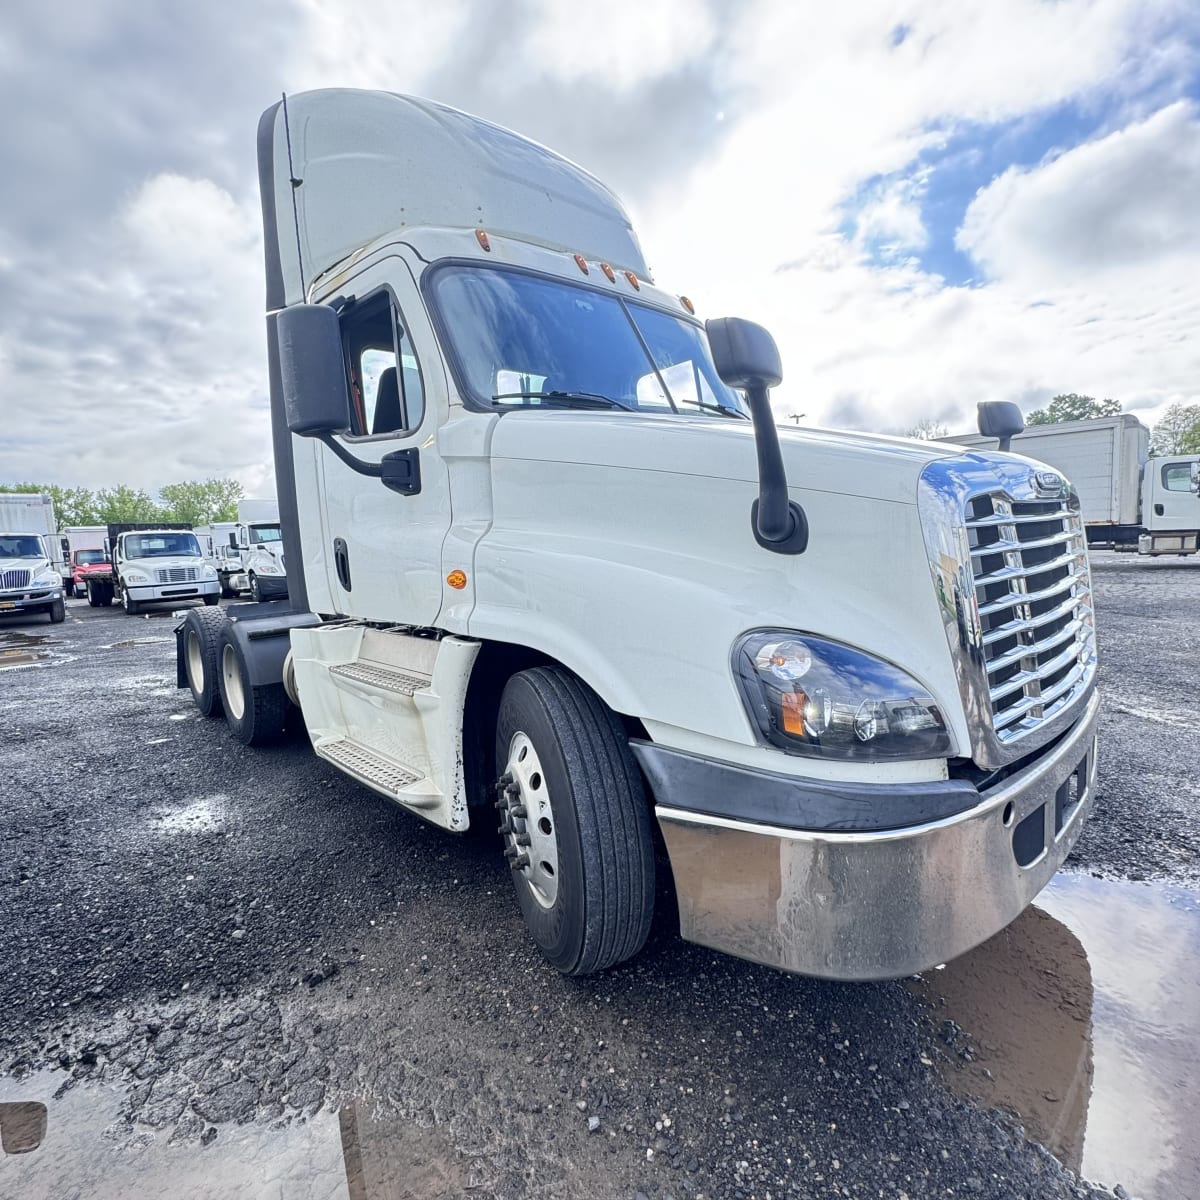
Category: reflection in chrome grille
[14,579]
[176,575]
[1036,623]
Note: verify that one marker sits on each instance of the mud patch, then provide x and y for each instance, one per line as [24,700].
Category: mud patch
[73,1139]
[131,642]
[1081,1019]
[203,815]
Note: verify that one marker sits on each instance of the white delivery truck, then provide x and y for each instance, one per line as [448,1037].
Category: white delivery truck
[1129,500]
[151,563]
[219,543]
[548,550]
[261,550]
[31,559]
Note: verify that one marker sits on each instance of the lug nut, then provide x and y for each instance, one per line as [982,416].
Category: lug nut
[520,862]
[523,839]
[519,810]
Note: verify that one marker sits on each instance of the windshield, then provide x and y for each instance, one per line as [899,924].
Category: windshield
[86,558]
[16,545]
[525,340]
[264,533]
[161,545]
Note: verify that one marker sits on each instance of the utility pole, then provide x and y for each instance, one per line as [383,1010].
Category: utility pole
[797,417]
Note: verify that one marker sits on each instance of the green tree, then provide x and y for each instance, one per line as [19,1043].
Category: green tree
[1177,431]
[119,504]
[1071,406]
[199,503]
[927,430]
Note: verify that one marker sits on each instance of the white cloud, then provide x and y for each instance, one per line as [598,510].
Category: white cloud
[1127,202]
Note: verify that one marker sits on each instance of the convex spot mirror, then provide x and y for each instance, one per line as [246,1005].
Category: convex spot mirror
[311,370]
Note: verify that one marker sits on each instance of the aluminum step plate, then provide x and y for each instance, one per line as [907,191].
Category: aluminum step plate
[366,764]
[386,679]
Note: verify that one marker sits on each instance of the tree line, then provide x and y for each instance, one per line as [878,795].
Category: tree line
[194,502]
[1176,432]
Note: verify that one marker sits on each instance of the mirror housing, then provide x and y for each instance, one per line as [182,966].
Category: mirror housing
[312,370]
[1000,419]
[746,357]
[1196,478]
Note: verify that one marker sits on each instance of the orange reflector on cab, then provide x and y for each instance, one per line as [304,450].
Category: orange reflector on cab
[482,238]
[609,273]
[581,263]
[633,279]
[457,580]
[688,305]
[792,704]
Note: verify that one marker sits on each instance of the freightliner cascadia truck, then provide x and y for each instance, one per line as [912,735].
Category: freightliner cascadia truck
[550,557]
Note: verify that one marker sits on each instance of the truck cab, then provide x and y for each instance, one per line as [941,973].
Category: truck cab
[29,580]
[262,559]
[550,557]
[1171,505]
[152,564]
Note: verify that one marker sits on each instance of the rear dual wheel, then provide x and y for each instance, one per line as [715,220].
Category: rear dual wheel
[255,714]
[575,822]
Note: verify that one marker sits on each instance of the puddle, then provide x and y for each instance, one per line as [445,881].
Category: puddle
[131,642]
[19,651]
[1084,1019]
[203,815]
[73,1142]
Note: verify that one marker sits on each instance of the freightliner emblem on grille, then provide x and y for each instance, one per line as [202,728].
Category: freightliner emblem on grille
[1048,483]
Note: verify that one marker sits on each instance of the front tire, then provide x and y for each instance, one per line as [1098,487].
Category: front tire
[212,600]
[255,595]
[201,658]
[131,607]
[255,715]
[575,820]
[58,612]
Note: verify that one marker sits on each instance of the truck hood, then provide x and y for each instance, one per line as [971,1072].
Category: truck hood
[864,465]
[35,566]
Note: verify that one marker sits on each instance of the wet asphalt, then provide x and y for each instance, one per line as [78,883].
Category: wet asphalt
[216,936]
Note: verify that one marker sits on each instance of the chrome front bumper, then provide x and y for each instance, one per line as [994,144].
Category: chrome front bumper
[145,592]
[881,904]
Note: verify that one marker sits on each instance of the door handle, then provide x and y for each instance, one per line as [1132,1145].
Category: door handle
[1158,510]
[341,559]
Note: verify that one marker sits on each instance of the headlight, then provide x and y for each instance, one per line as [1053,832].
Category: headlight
[47,579]
[210,572]
[822,699]
[136,577]
[270,568]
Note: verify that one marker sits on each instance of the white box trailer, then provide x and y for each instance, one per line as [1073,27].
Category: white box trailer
[1128,499]
[549,554]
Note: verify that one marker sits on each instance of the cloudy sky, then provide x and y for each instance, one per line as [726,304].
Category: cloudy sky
[929,202]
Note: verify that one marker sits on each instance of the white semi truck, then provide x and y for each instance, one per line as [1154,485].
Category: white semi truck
[548,551]
[1130,501]
[261,550]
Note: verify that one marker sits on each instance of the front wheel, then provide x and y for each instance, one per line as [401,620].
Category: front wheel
[255,595]
[131,607]
[575,822]
[211,600]
[58,612]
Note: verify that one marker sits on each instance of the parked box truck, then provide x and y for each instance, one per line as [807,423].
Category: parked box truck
[548,551]
[31,560]
[1129,500]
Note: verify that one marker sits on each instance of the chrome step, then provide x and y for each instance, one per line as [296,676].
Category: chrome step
[386,679]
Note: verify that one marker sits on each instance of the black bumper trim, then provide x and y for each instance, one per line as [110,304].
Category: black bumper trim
[720,789]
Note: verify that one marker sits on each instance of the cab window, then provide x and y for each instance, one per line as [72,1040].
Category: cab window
[386,391]
[1177,477]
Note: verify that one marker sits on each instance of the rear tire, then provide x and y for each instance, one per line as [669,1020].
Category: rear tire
[594,908]
[202,656]
[93,598]
[255,715]
[58,612]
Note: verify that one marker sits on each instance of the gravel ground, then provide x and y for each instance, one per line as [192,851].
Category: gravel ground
[220,935]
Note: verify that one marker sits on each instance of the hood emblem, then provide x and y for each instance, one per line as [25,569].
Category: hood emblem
[1048,483]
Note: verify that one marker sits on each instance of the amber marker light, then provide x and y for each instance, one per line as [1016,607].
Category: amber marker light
[609,273]
[792,705]
[457,580]
[482,238]
[581,263]
[633,279]
[688,305]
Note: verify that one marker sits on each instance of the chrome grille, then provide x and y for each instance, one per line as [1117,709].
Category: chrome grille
[1034,603]
[14,579]
[176,575]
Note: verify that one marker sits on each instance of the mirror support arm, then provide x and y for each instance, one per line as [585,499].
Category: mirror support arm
[778,522]
[375,470]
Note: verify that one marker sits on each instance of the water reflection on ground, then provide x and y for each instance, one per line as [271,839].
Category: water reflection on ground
[1083,1017]
[85,1151]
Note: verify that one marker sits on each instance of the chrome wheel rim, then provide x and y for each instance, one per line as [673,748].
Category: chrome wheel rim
[235,695]
[195,661]
[527,821]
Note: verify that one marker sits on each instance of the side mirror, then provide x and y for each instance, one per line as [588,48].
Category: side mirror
[1196,477]
[1000,419]
[233,538]
[746,357]
[312,370]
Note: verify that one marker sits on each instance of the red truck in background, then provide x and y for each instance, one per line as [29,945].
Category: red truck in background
[85,555]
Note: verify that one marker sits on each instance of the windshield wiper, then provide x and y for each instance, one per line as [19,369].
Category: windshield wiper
[568,399]
[714,408]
